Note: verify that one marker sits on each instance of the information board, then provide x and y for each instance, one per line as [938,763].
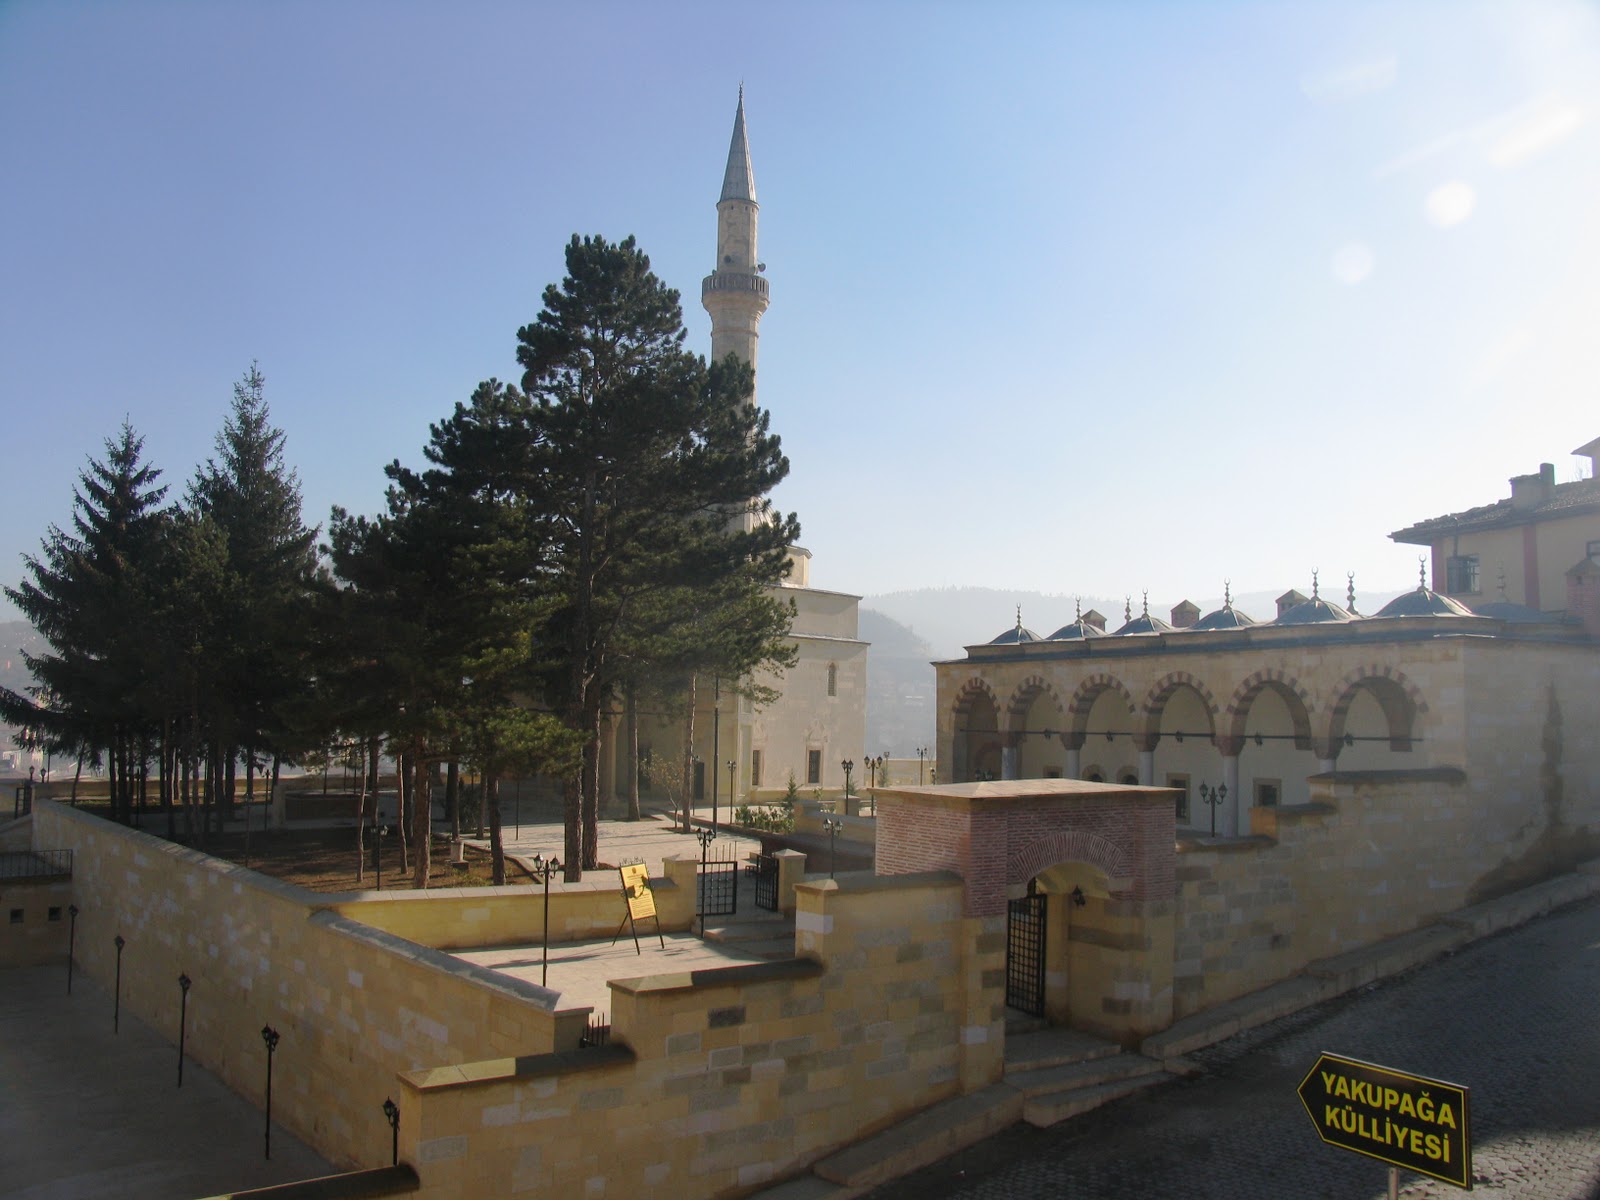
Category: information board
[1404,1120]
[636,887]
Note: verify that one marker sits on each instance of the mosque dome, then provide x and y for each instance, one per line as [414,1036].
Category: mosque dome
[1016,635]
[1226,617]
[1143,623]
[1075,631]
[1315,611]
[1424,602]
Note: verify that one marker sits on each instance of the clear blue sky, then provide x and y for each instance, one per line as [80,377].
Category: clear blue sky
[1069,297]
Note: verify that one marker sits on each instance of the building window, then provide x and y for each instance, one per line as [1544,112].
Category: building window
[1093,775]
[1130,779]
[55,912]
[1461,574]
[833,679]
[1268,792]
[813,766]
[1181,782]
[16,916]
[755,768]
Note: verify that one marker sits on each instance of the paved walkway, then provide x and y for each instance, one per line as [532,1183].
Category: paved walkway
[85,1113]
[581,971]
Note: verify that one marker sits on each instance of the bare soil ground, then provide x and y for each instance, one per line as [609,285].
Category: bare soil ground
[324,860]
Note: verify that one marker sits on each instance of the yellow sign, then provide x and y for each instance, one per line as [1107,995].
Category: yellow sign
[636,889]
[1404,1120]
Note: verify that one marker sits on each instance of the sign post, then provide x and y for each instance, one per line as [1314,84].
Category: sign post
[1404,1120]
[641,903]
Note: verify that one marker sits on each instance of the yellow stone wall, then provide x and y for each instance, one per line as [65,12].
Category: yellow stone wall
[716,1082]
[353,1005]
[35,938]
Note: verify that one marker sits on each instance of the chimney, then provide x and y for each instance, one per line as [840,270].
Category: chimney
[1290,599]
[1095,619]
[1530,491]
[1184,614]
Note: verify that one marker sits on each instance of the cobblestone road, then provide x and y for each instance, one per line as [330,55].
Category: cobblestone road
[1516,1018]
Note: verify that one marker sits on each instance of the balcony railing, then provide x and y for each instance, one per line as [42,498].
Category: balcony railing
[734,281]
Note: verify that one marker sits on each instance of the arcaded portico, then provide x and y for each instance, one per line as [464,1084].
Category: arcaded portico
[1079,875]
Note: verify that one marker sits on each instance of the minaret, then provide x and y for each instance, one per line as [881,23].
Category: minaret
[735,294]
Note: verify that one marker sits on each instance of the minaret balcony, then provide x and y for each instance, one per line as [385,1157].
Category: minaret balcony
[734,281]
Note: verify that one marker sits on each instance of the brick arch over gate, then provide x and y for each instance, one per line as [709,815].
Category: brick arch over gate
[1074,846]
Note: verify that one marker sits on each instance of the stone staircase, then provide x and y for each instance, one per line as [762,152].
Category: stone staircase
[1050,1075]
[760,934]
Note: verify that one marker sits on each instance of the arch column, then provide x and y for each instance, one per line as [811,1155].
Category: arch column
[1234,815]
[1074,762]
[1010,756]
[1145,744]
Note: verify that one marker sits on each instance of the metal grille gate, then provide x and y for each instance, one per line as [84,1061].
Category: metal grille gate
[766,872]
[719,889]
[1025,952]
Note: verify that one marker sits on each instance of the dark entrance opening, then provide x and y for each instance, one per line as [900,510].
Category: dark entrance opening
[1025,939]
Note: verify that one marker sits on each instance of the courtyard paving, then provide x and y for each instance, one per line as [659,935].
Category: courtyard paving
[1515,1017]
[86,1113]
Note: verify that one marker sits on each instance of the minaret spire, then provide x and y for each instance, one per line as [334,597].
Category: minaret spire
[735,293]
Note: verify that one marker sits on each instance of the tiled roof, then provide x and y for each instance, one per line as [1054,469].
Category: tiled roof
[1577,496]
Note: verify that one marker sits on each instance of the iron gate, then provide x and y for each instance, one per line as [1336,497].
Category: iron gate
[1025,952]
[719,889]
[766,873]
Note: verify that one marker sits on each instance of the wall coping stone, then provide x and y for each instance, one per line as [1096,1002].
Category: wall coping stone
[529,1066]
[718,977]
[855,883]
[1415,775]
[440,960]
[1225,845]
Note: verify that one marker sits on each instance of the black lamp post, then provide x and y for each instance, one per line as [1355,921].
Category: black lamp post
[116,1005]
[1214,797]
[848,765]
[377,851]
[269,1036]
[706,837]
[832,825]
[183,1022]
[541,869]
[922,755]
[72,941]
[391,1112]
[732,764]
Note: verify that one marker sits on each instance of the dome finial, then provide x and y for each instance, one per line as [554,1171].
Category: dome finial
[1127,608]
[1147,602]
[1227,593]
[1350,591]
[1019,622]
[1314,585]
[1078,607]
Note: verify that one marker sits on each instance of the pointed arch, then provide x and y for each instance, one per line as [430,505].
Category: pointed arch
[1401,699]
[975,729]
[1289,689]
[1083,700]
[1155,704]
[1022,699]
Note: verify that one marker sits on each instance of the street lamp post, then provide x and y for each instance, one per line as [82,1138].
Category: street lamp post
[705,837]
[116,1005]
[849,766]
[832,825]
[732,764]
[269,1036]
[377,850]
[391,1112]
[183,1022]
[922,755]
[72,941]
[1214,797]
[541,870]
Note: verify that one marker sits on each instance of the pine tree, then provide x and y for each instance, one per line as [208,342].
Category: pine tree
[644,460]
[89,592]
[252,496]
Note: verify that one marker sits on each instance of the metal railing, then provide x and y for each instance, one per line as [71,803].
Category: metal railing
[35,864]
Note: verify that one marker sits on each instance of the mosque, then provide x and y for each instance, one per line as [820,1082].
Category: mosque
[819,719]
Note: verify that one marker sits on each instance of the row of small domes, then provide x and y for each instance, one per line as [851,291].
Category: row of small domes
[1421,602]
